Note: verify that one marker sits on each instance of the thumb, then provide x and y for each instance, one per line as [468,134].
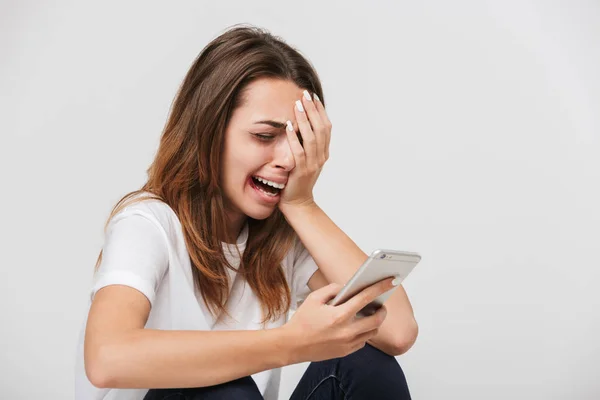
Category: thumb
[326,293]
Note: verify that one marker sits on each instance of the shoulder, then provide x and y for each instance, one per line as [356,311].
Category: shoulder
[296,252]
[155,210]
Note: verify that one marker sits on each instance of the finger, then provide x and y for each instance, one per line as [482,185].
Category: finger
[326,293]
[318,128]
[308,136]
[367,295]
[326,122]
[296,146]
[371,322]
[361,340]
[314,116]
[321,108]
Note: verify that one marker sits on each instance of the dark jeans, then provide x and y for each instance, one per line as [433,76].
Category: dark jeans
[365,374]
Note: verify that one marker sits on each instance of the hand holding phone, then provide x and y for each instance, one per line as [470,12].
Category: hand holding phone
[380,265]
[318,332]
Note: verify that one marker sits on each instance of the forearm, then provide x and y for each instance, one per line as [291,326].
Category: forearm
[338,258]
[148,358]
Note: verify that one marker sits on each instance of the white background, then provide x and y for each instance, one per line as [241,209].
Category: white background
[467,131]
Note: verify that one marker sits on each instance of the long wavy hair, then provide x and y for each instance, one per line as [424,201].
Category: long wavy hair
[186,169]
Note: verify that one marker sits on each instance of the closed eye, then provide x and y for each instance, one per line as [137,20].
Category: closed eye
[264,137]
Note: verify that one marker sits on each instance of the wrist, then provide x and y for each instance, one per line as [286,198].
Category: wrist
[287,346]
[290,209]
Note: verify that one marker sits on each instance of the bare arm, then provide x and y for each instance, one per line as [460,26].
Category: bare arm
[120,353]
[338,258]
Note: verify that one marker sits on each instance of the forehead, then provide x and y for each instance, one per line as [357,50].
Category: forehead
[270,99]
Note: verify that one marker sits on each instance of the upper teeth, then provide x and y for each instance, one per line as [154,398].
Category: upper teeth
[266,182]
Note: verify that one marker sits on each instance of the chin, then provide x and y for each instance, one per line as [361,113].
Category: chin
[260,213]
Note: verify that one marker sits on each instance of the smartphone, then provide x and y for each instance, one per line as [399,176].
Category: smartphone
[380,265]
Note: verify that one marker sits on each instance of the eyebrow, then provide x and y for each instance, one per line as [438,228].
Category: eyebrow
[274,124]
[280,125]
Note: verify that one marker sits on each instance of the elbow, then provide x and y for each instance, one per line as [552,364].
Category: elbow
[96,369]
[405,341]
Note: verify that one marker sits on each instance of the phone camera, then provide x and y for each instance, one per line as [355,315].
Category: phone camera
[383,256]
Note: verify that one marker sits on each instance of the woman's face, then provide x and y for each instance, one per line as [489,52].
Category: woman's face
[252,149]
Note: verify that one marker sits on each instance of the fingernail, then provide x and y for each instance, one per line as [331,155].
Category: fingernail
[396,281]
[317,97]
[290,127]
[307,95]
[299,106]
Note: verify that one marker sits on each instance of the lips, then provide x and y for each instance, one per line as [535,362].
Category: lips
[261,195]
[276,180]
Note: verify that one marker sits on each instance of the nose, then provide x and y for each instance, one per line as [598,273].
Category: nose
[283,156]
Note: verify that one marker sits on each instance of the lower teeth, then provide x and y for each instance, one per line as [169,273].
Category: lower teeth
[265,192]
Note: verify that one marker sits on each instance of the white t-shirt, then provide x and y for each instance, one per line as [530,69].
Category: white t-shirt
[144,248]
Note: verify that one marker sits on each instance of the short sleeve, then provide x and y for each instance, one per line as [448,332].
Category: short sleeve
[135,254]
[303,269]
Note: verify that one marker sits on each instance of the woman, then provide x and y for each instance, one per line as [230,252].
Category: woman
[201,265]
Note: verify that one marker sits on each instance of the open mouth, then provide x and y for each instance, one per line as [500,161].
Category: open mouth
[264,188]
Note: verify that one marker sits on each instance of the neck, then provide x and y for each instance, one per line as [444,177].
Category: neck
[234,227]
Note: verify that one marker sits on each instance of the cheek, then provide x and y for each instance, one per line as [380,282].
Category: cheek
[244,157]
[238,168]
[251,158]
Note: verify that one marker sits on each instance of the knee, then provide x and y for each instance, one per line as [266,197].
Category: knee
[375,359]
[240,389]
[370,370]
[237,393]
[373,353]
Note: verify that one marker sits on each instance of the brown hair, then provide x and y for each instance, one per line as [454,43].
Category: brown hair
[186,169]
